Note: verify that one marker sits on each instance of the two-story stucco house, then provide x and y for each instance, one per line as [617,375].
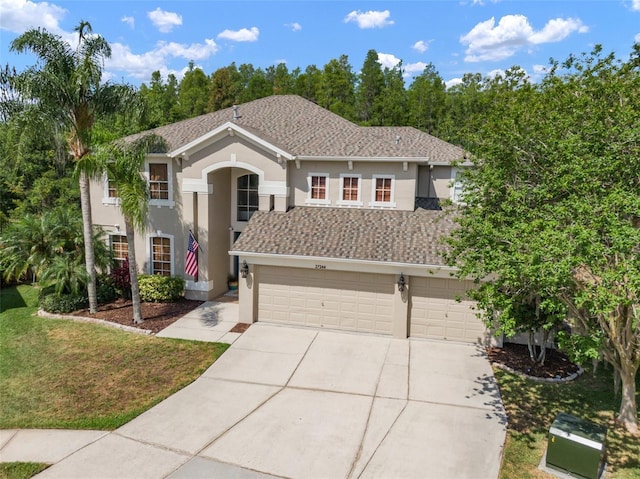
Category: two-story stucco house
[323,222]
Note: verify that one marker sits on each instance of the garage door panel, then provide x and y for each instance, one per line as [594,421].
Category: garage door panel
[343,300]
[436,314]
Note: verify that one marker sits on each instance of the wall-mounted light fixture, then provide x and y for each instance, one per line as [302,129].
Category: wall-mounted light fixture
[244,269]
[402,283]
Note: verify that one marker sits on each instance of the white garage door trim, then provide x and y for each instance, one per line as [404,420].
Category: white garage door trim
[435,313]
[325,298]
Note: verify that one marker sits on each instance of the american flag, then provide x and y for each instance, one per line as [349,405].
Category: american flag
[191,264]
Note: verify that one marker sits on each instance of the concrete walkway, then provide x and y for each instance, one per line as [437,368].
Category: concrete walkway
[294,402]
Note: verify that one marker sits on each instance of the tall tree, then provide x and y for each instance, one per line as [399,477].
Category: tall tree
[224,87]
[393,100]
[371,84]
[553,207]
[193,93]
[427,100]
[123,163]
[307,84]
[66,87]
[337,89]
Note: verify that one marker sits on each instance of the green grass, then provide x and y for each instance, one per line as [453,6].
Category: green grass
[532,407]
[20,470]
[69,375]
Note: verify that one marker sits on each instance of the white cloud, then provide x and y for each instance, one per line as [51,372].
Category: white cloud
[370,19]
[242,35]
[129,21]
[420,46]
[635,5]
[164,21]
[295,26]
[411,69]
[637,38]
[19,16]
[141,65]
[453,82]
[488,41]
[539,69]
[387,60]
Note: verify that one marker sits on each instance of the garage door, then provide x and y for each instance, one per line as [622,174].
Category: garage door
[436,314]
[331,299]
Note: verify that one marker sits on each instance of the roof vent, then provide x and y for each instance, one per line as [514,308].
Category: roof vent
[235,112]
[398,138]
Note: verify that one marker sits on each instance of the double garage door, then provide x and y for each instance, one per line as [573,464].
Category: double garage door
[331,299]
[364,302]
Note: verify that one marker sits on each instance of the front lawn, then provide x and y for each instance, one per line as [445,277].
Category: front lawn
[532,407]
[64,374]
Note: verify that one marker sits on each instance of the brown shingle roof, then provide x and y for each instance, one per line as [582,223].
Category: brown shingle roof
[304,129]
[411,237]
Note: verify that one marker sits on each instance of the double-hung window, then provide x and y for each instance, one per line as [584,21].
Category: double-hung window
[318,184]
[383,191]
[119,250]
[161,255]
[158,181]
[350,190]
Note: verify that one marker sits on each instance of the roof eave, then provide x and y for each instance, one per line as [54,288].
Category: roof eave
[228,128]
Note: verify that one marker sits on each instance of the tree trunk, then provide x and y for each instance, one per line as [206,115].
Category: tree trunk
[531,344]
[628,416]
[133,273]
[87,230]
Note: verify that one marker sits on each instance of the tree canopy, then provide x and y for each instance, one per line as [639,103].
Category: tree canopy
[552,215]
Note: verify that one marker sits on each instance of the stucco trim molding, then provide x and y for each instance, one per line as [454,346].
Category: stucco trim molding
[278,188]
[193,185]
[344,264]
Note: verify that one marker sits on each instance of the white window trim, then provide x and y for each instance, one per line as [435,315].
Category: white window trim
[456,187]
[357,202]
[106,199]
[110,239]
[312,201]
[383,204]
[167,161]
[160,234]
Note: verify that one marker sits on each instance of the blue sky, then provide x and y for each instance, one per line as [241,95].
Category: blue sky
[457,36]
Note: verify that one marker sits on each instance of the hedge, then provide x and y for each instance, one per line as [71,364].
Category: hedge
[155,288]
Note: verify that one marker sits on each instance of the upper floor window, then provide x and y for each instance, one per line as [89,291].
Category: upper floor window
[158,181]
[383,190]
[112,191]
[119,250]
[247,195]
[161,255]
[351,186]
[318,188]
[457,185]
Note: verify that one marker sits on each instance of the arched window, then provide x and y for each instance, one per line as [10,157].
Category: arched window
[247,196]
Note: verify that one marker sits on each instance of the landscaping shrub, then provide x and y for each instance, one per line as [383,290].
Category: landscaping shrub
[160,289]
[122,280]
[63,303]
[106,289]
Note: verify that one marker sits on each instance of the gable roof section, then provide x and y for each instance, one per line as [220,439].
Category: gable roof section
[303,129]
[411,237]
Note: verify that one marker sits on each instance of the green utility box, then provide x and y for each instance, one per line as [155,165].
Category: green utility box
[576,446]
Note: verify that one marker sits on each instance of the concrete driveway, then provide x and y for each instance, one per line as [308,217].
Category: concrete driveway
[306,403]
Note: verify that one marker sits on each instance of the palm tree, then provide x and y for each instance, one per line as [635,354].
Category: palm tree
[123,164]
[64,86]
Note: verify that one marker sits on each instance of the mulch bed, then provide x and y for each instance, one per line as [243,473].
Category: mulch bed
[157,316]
[516,356]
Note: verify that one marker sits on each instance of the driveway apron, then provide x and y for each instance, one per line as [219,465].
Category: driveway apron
[309,403]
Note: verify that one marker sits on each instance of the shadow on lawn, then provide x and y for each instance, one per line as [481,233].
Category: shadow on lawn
[10,298]
[532,407]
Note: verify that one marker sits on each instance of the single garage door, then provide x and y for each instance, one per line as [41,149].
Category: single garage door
[331,299]
[436,314]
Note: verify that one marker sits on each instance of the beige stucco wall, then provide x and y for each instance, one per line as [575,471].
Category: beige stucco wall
[405,181]
[434,181]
